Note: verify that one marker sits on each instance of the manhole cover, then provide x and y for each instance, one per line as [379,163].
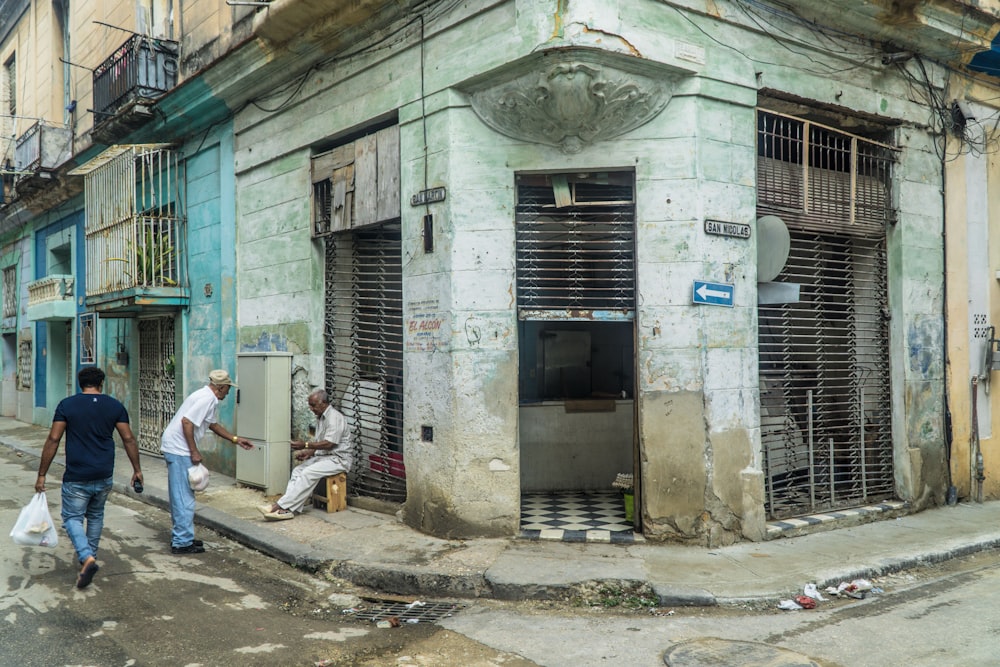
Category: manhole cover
[408,612]
[712,652]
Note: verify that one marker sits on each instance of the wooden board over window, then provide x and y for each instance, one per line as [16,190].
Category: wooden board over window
[357,184]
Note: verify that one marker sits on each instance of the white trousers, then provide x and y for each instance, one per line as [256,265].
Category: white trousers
[304,478]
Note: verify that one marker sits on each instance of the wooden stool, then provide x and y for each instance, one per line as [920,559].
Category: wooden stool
[335,498]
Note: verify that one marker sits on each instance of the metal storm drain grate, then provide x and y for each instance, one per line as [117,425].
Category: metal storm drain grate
[412,612]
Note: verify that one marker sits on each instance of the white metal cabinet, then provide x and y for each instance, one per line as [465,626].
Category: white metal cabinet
[264,416]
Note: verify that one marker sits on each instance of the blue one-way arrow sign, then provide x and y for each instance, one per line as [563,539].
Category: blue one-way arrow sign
[715,294]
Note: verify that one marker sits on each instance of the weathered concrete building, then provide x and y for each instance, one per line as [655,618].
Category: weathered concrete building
[529,246]
[571,284]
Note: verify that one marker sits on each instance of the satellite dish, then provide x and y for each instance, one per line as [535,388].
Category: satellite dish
[773,243]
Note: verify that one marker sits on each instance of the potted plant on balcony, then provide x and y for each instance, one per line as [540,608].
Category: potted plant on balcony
[154,256]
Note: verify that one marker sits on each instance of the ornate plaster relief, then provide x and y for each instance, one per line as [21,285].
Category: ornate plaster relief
[572,97]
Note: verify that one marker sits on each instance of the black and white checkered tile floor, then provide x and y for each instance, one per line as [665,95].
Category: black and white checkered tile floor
[800,524]
[576,517]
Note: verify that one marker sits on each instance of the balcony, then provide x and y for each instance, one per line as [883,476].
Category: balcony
[51,298]
[134,230]
[38,153]
[138,73]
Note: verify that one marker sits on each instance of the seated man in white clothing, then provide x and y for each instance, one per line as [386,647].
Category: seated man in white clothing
[328,454]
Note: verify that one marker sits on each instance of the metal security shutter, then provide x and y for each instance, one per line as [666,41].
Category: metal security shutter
[364,353]
[824,360]
[575,243]
[157,384]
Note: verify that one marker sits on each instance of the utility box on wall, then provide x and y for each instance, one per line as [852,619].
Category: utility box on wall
[264,416]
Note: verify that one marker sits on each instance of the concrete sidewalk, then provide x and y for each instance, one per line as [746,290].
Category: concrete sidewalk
[376,550]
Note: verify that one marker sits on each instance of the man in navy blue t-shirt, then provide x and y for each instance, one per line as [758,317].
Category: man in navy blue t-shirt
[89,420]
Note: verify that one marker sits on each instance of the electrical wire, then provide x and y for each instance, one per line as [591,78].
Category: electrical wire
[824,72]
[838,50]
[398,34]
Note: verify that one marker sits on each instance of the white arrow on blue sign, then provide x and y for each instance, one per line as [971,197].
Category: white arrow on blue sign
[714,294]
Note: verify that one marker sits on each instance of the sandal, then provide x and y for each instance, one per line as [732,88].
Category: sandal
[87,573]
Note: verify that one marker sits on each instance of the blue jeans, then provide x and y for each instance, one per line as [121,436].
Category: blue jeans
[85,501]
[181,499]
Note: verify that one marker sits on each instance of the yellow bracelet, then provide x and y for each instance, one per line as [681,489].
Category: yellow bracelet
[235,439]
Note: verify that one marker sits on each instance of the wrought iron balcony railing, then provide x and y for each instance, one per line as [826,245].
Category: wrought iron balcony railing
[43,147]
[141,69]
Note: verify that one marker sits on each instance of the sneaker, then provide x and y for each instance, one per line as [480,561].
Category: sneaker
[189,549]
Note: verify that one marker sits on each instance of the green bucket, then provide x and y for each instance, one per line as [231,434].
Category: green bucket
[629,507]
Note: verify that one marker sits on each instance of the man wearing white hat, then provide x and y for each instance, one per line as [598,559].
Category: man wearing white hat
[179,444]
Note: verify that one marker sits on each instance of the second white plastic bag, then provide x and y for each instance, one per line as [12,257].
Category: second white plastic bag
[198,477]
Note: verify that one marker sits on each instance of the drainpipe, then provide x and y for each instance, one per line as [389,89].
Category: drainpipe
[976,468]
[951,496]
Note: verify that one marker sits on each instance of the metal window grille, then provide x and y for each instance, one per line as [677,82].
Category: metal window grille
[24,364]
[364,353]
[322,207]
[11,69]
[9,292]
[575,243]
[88,338]
[824,370]
[816,176]
[135,215]
[157,382]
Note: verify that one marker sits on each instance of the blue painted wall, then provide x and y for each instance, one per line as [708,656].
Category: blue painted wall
[209,330]
[40,270]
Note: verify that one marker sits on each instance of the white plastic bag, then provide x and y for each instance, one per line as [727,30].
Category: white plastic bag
[34,527]
[810,590]
[198,477]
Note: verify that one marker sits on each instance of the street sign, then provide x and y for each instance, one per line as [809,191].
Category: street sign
[735,229]
[428,196]
[713,294]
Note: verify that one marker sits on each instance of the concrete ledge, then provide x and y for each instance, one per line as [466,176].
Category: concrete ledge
[670,595]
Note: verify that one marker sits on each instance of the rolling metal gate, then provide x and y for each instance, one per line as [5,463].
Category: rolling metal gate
[364,353]
[824,360]
[157,385]
[575,246]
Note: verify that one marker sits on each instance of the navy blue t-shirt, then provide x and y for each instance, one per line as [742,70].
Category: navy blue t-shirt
[90,426]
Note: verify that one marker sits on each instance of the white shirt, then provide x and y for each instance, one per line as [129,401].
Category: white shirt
[201,409]
[332,427]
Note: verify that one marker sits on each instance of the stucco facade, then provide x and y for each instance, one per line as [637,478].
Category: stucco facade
[696,409]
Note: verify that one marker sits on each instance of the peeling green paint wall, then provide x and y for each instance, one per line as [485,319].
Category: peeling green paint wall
[697,366]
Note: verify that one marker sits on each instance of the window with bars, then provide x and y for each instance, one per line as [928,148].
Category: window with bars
[24,364]
[10,74]
[10,292]
[810,172]
[356,184]
[575,238]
